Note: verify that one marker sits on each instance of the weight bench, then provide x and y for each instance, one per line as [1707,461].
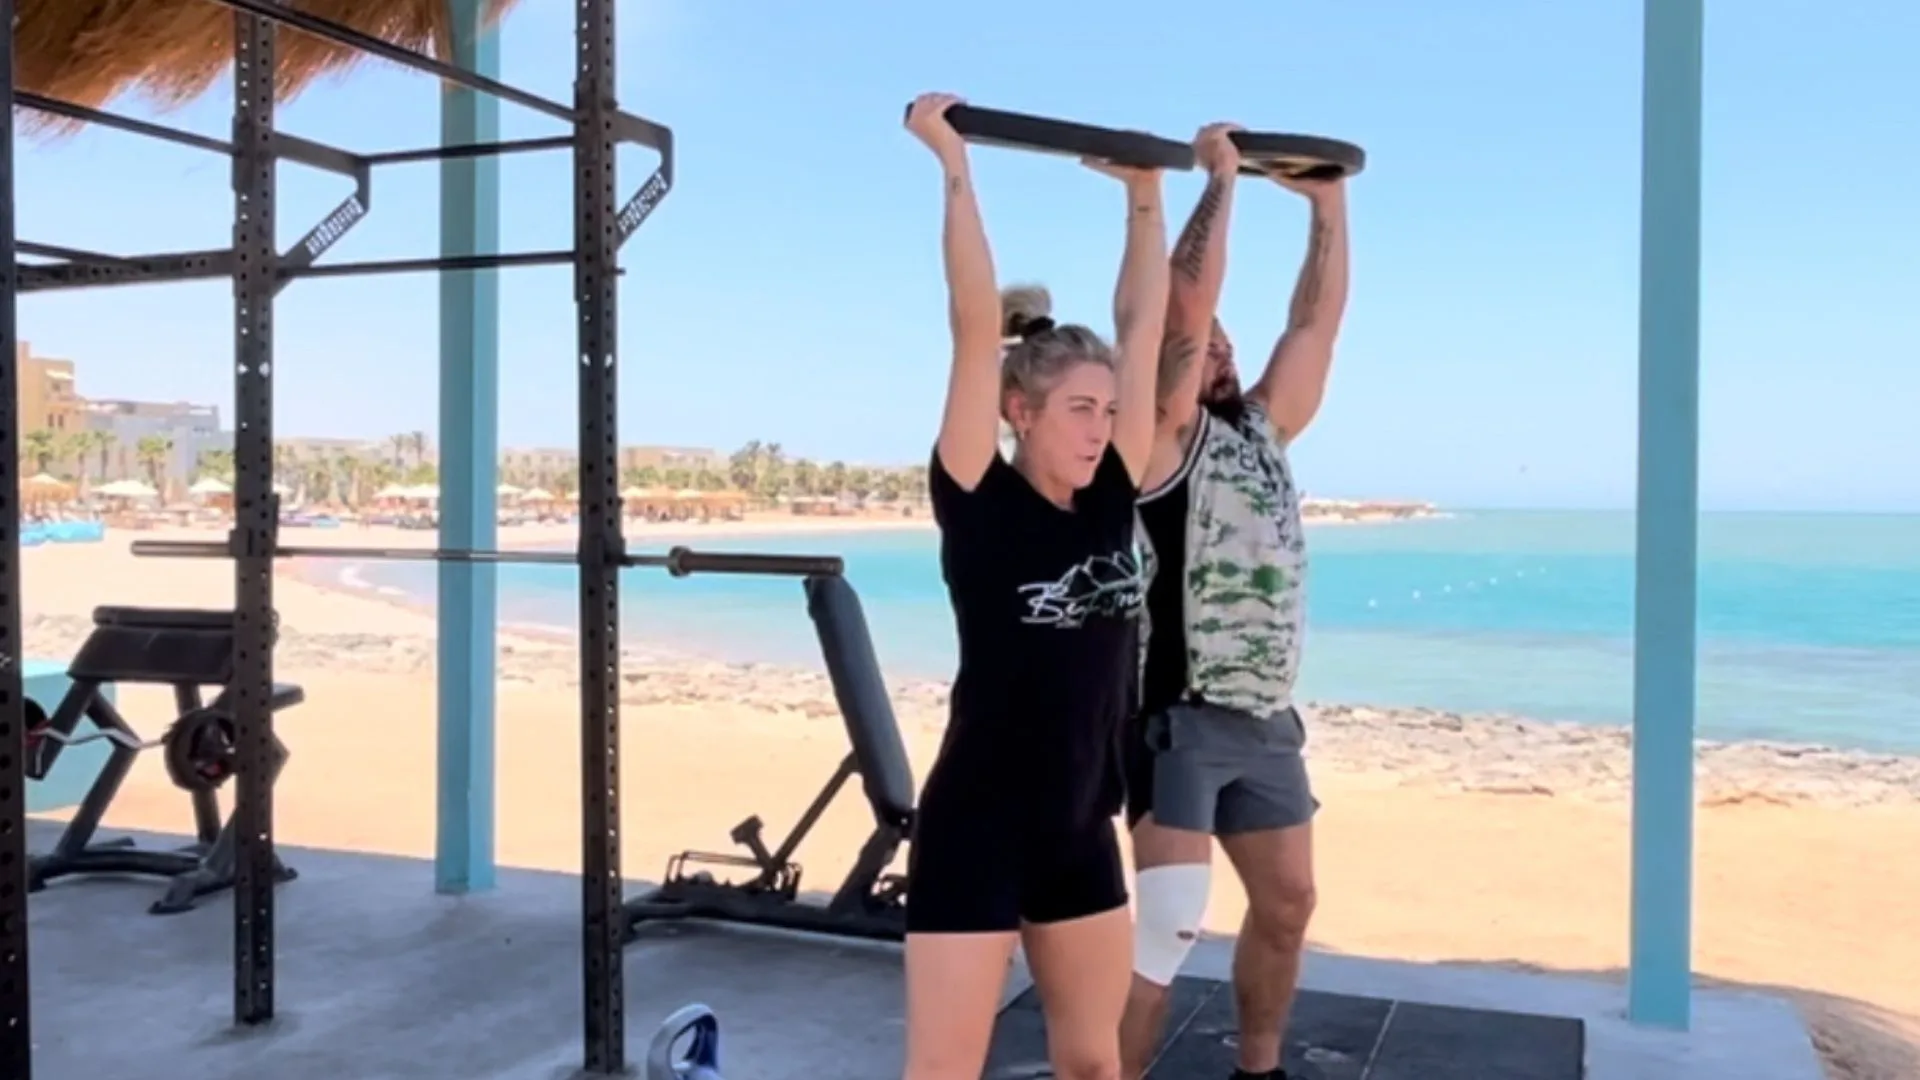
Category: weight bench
[186,649]
[870,903]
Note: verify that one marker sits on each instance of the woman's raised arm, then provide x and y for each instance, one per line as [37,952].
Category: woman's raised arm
[970,427]
[1139,316]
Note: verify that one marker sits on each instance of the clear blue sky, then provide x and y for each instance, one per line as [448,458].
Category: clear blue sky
[789,288]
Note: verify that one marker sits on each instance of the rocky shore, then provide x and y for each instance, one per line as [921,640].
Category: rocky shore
[1412,746]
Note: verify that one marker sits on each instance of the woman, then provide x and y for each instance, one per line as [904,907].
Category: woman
[1014,839]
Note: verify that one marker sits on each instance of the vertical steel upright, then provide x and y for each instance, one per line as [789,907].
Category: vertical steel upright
[256,519]
[16,1028]
[597,237]
[469,464]
[1665,603]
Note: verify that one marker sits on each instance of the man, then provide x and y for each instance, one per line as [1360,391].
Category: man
[1219,745]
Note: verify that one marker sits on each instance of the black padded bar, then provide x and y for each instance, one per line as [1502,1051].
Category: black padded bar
[1020,131]
[860,690]
[145,618]
[16,1027]
[385,50]
[1301,157]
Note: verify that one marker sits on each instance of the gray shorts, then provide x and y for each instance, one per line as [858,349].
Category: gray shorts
[1219,771]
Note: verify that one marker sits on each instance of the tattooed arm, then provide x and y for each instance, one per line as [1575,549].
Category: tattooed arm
[970,427]
[1199,269]
[1295,381]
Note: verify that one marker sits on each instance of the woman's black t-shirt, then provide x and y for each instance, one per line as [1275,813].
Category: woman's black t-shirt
[1045,600]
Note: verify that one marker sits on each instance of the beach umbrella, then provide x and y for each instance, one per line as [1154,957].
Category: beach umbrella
[538,495]
[210,485]
[506,491]
[43,482]
[126,489]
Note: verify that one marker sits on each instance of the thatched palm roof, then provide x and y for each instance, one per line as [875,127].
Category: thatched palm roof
[172,51]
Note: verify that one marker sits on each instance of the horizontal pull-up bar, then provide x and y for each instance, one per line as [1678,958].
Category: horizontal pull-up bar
[386,50]
[678,561]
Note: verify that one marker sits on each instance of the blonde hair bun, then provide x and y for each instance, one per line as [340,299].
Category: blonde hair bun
[1021,306]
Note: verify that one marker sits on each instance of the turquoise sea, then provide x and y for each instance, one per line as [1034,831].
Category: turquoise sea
[1809,624]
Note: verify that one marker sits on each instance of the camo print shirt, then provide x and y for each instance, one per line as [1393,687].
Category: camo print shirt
[1246,563]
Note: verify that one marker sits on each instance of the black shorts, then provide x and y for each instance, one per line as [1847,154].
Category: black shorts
[965,876]
[1136,762]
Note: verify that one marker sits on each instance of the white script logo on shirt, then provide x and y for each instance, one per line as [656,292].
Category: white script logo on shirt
[1103,585]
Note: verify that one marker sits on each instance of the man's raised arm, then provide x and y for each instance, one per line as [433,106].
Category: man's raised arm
[1295,381]
[1199,265]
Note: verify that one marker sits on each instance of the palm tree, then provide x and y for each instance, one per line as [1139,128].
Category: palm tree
[806,477]
[215,463]
[41,447]
[77,447]
[833,479]
[153,452]
[743,468]
[104,441]
[860,483]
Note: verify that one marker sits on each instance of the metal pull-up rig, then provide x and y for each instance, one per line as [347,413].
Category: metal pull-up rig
[259,270]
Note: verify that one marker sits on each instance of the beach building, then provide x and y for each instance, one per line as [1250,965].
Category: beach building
[305,450]
[48,400]
[126,433]
[694,458]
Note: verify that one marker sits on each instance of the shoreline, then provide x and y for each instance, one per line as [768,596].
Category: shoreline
[1406,746]
[1583,758]
[332,624]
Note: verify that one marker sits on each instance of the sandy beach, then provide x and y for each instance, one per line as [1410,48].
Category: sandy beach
[1483,840]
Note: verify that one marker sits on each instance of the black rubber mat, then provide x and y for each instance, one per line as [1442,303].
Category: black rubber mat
[1331,1037]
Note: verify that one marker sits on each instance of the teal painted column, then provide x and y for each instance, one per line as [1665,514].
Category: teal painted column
[469,468]
[1660,979]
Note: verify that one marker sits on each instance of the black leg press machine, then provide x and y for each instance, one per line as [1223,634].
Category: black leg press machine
[870,902]
[188,650]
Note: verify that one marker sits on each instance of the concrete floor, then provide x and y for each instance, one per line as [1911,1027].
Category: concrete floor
[379,978]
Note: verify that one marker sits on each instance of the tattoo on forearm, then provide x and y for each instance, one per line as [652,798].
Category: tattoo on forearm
[955,185]
[1313,275]
[1190,254]
[1177,355]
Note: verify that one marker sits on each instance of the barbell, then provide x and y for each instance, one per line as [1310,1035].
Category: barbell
[677,561]
[1297,157]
